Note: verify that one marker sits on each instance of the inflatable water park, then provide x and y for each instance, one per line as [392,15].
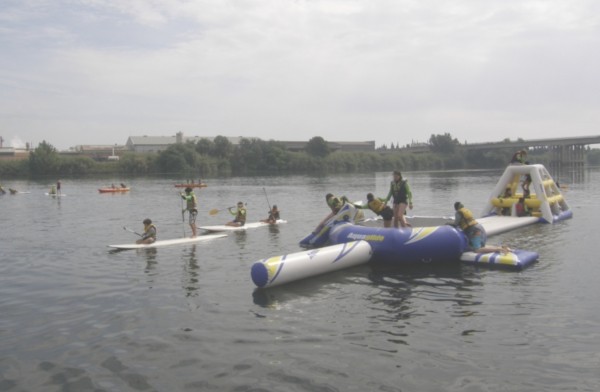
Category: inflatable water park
[345,241]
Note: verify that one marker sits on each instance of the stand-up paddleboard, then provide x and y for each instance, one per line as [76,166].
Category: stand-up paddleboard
[252,225]
[55,194]
[176,241]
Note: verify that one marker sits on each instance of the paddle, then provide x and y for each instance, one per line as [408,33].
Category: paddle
[267,197]
[215,211]
[125,228]
[182,214]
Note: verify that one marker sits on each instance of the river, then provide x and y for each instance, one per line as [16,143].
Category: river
[75,316]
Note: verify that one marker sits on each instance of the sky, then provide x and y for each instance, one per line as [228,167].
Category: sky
[81,72]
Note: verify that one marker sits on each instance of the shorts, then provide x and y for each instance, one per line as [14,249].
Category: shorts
[239,222]
[399,200]
[477,237]
[387,213]
[192,216]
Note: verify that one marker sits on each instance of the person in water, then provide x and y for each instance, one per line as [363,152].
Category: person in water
[476,235]
[191,207]
[273,215]
[525,185]
[239,213]
[507,194]
[402,198]
[378,206]
[521,208]
[149,235]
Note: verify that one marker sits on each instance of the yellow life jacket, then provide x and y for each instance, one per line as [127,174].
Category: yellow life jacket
[467,220]
[376,205]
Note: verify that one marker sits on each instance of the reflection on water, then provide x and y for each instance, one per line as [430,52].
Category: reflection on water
[190,272]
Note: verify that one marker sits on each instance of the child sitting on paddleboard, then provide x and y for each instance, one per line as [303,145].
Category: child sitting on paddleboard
[273,215]
[149,235]
[240,215]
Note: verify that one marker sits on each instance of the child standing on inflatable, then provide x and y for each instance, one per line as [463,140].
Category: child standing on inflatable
[402,195]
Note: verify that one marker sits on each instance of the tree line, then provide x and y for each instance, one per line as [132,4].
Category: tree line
[252,156]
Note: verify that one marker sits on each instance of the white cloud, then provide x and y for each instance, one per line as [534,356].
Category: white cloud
[96,71]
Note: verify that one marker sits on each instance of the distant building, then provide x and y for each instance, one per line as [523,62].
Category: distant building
[144,144]
[11,153]
[97,152]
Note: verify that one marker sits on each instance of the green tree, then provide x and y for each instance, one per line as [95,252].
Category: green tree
[223,147]
[44,159]
[317,147]
[444,144]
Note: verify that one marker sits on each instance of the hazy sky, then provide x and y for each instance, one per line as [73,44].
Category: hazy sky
[98,71]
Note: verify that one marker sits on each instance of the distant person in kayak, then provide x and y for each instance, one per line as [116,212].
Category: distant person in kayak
[239,213]
[378,206]
[273,215]
[476,235]
[402,198]
[123,185]
[191,207]
[149,235]
[519,157]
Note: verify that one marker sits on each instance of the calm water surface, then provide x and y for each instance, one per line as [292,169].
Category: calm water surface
[76,317]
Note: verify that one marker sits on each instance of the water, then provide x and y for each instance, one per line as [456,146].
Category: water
[76,317]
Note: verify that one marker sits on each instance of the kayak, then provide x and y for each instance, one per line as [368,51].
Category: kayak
[175,241]
[252,225]
[113,190]
[195,185]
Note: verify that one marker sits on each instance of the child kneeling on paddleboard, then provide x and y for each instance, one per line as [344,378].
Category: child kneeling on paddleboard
[149,235]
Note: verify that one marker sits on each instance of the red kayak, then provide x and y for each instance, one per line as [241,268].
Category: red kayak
[113,190]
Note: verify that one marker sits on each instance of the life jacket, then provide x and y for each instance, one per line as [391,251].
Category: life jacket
[376,205]
[191,202]
[467,220]
[399,189]
[147,231]
[274,215]
[241,215]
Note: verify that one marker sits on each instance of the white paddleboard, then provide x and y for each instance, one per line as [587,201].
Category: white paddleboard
[252,225]
[176,241]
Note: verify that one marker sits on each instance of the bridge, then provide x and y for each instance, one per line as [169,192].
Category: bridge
[567,154]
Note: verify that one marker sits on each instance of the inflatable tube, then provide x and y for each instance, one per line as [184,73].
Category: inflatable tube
[506,202]
[294,266]
[516,260]
[406,245]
